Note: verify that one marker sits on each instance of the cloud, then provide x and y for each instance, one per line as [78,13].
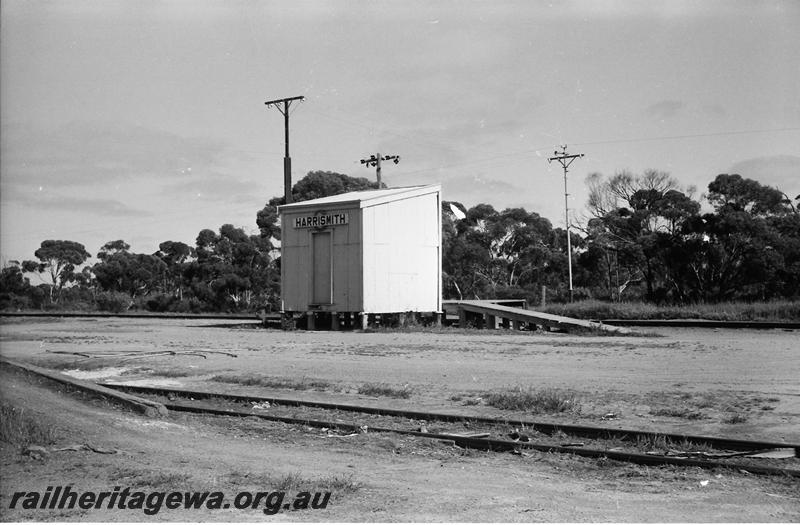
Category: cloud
[107,208]
[453,142]
[664,109]
[714,110]
[625,9]
[91,153]
[474,189]
[218,187]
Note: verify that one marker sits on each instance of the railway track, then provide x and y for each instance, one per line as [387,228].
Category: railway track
[274,320]
[639,447]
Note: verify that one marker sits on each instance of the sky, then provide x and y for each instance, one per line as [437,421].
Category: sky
[145,120]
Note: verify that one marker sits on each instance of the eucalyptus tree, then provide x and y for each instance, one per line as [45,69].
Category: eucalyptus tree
[58,259]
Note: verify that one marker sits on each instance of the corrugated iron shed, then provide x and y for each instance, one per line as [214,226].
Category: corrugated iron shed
[376,251]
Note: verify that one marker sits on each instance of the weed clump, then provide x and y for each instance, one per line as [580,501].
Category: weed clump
[340,483]
[171,372]
[20,428]
[727,311]
[541,401]
[384,390]
[273,382]
[734,419]
[145,478]
[680,412]
[84,364]
[289,481]
[653,443]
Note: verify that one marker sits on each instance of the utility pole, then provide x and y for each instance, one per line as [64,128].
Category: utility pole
[287,160]
[375,160]
[565,160]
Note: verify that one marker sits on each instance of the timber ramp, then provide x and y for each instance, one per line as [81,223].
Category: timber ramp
[486,314]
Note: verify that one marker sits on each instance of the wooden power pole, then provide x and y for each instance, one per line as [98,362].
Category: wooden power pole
[565,160]
[282,105]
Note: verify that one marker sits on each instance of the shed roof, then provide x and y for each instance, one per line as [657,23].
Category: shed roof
[365,199]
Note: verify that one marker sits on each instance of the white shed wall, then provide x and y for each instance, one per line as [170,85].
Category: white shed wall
[402,255]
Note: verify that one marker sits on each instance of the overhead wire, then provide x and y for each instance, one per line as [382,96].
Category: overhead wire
[692,136]
[428,143]
[527,152]
[499,157]
[386,131]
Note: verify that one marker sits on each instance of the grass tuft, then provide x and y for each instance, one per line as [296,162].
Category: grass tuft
[21,428]
[165,480]
[664,445]
[727,311]
[542,401]
[274,382]
[681,412]
[171,372]
[85,365]
[734,419]
[337,483]
[289,481]
[384,390]
[146,478]
[653,443]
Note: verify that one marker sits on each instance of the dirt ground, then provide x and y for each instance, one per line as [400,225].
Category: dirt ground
[691,381]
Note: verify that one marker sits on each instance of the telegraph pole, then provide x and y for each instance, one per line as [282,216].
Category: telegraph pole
[565,160]
[287,160]
[375,160]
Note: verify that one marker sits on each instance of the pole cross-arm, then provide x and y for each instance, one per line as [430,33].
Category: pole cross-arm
[372,161]
[565,160]
[375,161]
[285,101]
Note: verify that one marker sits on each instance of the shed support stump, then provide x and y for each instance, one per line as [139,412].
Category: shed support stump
[516,325]
[490,321]
[462,318]
[311,321]
[506,323]
[334,321]
[364,321]
[438,319]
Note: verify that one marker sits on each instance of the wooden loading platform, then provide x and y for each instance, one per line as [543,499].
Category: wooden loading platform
[513,314]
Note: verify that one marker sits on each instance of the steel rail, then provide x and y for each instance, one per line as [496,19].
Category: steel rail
[104,315]
[703,323]
[546,428]
[497,444]
[275,317]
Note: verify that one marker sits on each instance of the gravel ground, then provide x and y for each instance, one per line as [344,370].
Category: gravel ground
[691,381]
